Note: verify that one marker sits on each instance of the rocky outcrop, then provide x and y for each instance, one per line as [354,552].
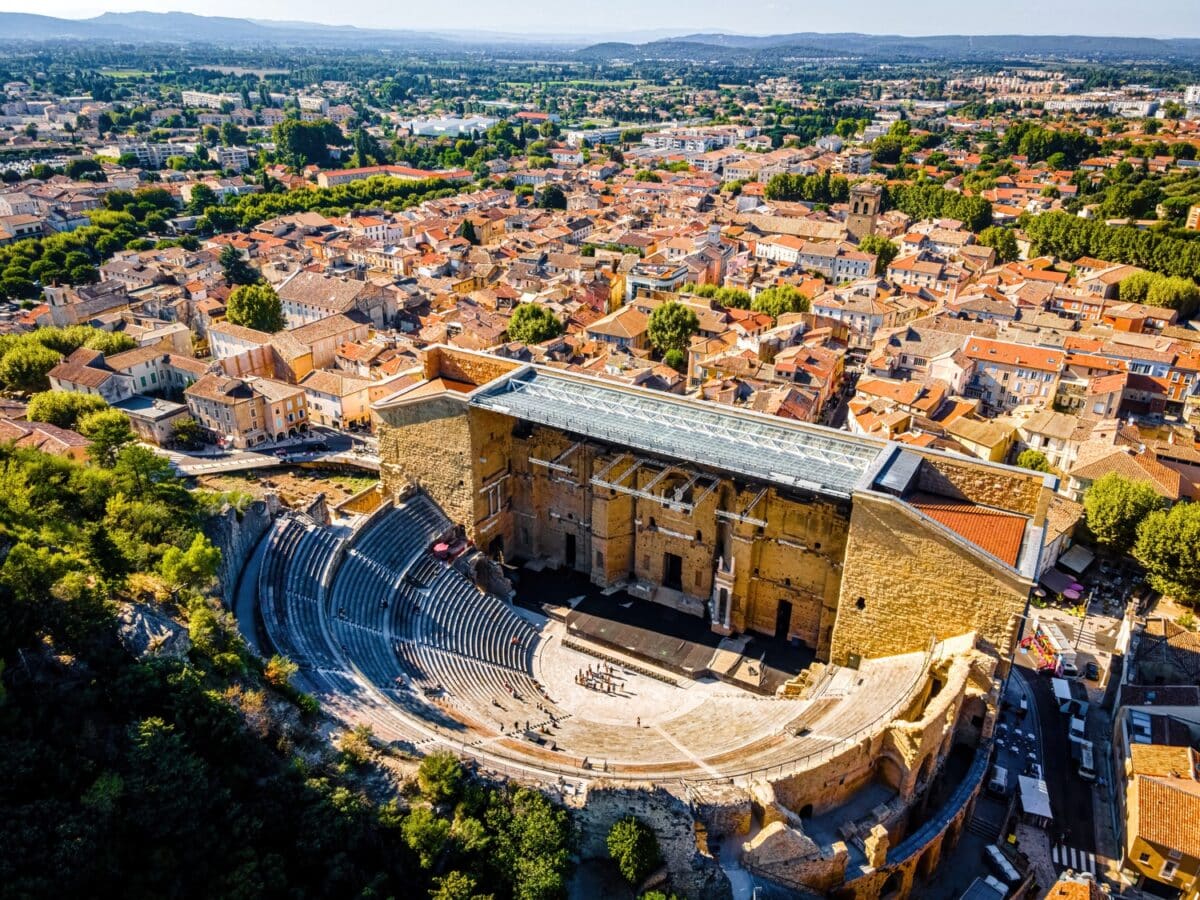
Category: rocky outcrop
[146,631]
[236,534]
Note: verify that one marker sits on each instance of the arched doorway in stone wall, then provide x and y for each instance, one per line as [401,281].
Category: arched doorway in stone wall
[889,772]
[926,771]
[893,886]
[928,861]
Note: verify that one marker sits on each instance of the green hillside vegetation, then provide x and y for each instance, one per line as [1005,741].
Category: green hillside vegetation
[199,776]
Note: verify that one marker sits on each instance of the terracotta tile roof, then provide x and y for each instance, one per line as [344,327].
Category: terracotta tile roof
[993,530]
[1169,812]
[1027,357]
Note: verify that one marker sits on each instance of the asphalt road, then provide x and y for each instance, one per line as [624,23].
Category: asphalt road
[1070,796]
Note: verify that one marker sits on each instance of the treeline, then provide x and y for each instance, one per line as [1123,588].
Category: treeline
[929,200]
[1060,147]
[73,257]
[1070,237]
[822,188]
[25,359]
[394,193]
[199,776]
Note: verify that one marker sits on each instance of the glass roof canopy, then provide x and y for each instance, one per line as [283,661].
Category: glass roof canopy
[742,443]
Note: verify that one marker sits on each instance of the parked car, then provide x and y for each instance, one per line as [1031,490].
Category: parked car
[1091,672]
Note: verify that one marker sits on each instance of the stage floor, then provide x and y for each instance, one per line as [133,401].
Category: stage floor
[658,634]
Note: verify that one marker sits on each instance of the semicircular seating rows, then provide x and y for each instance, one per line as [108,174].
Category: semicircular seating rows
[383,608]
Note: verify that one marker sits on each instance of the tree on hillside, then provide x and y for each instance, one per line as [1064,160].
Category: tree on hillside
[634,848]
[107,431]
[237,269]
[1168,545]
[1114,506]
[193,568]
[532,323]
[256,306]
[671,327]
[883,249]
[441,778]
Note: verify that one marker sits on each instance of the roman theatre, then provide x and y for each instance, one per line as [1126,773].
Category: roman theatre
[767,635]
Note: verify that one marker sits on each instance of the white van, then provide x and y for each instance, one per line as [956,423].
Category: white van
[998,781]
[1077,731]
[1087,761]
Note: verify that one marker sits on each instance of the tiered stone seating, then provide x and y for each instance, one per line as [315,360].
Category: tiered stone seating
[297,558]
[410,646]
[376,564]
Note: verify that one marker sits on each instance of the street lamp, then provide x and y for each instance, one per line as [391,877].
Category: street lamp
[1079,631]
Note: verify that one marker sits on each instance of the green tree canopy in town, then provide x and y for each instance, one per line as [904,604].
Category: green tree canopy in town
[1034,460]
[1168,545]
[780,299]
[883,250]
[1002,240]
[62,408]
[299,144]
[532,323]
[256,306]
[1115,506]
[236,267]
[107,431]
[671,327]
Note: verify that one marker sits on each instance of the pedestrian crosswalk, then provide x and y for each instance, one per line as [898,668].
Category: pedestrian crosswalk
[1074,859]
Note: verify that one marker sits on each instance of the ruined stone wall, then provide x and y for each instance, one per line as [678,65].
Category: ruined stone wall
[429,444]
[461,365]
[905,579]
[549,506]
[693,874]
[236,535]
[663,529]
[490,459]
[797,557]
[906,753]
[614,534]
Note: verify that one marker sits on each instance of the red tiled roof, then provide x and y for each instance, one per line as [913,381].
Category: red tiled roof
[993,530]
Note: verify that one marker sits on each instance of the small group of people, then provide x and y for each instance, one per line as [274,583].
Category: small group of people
[603,678]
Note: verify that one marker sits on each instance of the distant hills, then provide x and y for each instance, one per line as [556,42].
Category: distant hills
[731,47]
[184,28]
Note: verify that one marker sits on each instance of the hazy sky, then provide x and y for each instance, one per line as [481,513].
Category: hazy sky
[1157,18]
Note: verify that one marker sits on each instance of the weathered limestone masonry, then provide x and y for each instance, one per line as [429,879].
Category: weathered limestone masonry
[986,485]
[236,535]
[693,874]
[906,754]
[906,579]
[429,443]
